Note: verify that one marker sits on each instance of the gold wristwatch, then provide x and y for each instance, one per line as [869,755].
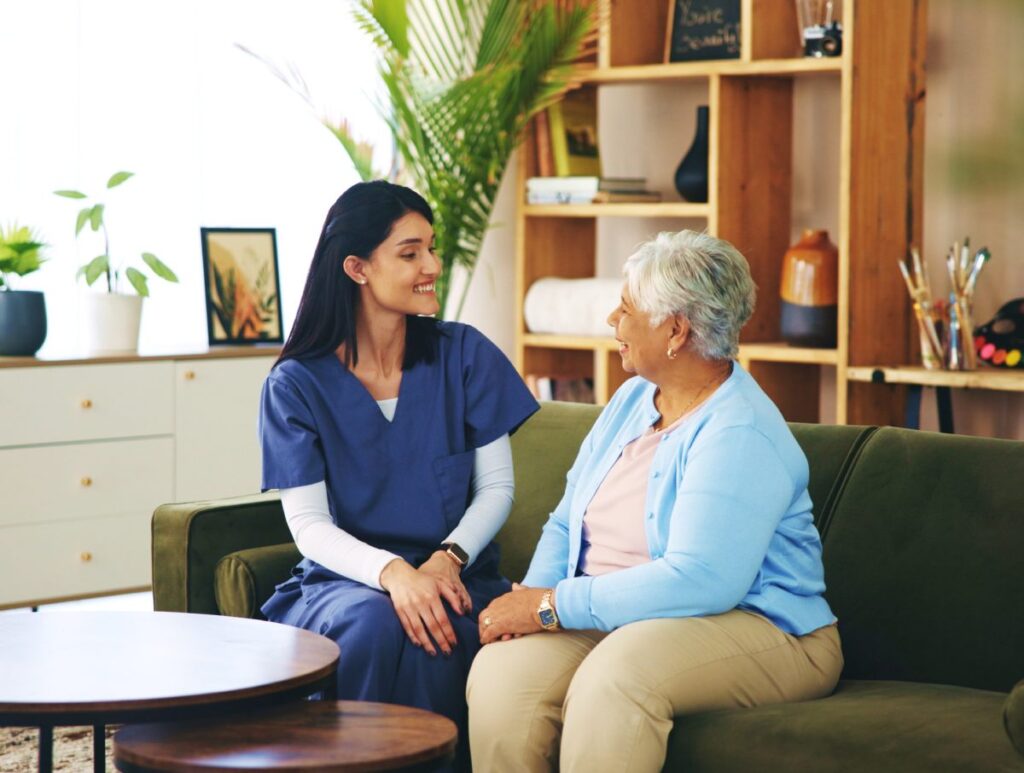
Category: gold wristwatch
[546,613]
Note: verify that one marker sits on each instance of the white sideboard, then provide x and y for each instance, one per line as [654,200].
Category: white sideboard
[89,448]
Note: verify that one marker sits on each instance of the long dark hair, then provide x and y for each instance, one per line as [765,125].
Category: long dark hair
[360,220]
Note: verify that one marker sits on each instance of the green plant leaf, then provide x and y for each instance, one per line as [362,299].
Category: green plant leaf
[158,267]
[118,177]
[83,218]
[138,280]
[96,217]
[95,268]
[71,194]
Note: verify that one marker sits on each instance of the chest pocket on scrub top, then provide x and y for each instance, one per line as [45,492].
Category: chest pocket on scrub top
[453,475]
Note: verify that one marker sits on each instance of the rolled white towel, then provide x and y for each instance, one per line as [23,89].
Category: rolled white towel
[571,306]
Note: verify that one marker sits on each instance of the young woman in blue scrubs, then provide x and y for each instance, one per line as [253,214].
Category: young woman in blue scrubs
[386,432]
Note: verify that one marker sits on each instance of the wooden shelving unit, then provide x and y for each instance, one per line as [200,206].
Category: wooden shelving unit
[880,83]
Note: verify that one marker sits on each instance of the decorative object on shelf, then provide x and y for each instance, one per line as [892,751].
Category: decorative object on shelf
[691,178]
[946,330]
[242,286]
[821,34]
[571,306]
[1000,341]
[928,313]
[573,128]
[461,91]
[22,312]
[111,319]
[810,291]
[588,190]
[699,30]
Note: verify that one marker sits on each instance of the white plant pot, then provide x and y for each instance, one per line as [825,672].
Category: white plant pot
[110,323]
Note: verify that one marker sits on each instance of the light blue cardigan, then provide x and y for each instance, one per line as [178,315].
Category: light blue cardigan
[727,518]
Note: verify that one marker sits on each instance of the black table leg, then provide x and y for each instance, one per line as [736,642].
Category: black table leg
[45,749]
[330,691]
[912,417]
[944,401]
[99,749]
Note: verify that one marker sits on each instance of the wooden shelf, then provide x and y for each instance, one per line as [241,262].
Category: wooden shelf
[984,378]
[875,94]
[646,73]
[548,341]
[638,209]
[782,352]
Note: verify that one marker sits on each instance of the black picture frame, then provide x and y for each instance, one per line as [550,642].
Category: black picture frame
[703,30]
[240,265]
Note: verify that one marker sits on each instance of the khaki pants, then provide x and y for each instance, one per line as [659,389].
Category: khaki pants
[595,702]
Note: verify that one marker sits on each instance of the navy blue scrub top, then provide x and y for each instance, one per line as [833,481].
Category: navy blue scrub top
[402,485]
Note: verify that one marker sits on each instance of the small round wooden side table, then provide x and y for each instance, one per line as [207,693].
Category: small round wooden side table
[304,736]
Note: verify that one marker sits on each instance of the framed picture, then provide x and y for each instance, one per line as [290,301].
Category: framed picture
[699,30]
[243,299]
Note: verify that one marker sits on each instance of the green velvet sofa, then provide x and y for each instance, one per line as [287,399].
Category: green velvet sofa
[924,559]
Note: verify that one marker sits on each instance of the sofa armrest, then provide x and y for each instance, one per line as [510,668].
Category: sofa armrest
[246,578]
[1013,716]
[190,538]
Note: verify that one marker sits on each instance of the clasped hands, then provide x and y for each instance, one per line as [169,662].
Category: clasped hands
[417,595]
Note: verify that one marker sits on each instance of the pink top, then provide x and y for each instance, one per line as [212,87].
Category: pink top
[613,526]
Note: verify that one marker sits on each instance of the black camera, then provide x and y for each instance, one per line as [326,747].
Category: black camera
[823,40]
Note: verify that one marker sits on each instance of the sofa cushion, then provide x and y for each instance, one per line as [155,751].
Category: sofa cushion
[1013,716]
[543,450]
[923,557]
[830,452]
[864,726]
[243,580]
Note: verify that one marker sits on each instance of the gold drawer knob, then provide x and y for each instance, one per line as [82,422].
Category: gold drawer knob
[86,481]
[86,403]
[86,556]
[190,375]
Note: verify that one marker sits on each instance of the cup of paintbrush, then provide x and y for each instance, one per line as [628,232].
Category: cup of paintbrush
[920,294]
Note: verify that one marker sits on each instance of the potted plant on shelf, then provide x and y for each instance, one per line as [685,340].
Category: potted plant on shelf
[22,312]
[461,91]
[112,317]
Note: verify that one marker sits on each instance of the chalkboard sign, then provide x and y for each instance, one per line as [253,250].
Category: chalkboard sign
[703,29]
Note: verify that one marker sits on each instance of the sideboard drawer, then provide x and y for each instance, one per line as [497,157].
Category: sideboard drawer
[73,558]
[86,402]
[85,480]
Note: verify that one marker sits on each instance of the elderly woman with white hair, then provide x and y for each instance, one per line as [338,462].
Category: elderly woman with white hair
[681,571]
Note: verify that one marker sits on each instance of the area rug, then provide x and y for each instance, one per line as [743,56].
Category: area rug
[72,750]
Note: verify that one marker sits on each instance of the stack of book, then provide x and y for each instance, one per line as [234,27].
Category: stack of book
[587,190]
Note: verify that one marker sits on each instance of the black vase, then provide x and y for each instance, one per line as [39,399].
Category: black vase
[692,174]
[22,322]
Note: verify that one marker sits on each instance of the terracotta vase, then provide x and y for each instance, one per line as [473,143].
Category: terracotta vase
[810,291]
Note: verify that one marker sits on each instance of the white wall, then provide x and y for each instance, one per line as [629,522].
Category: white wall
[90,87]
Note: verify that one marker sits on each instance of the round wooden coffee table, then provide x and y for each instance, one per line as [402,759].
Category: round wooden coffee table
[302,736]
[94,668]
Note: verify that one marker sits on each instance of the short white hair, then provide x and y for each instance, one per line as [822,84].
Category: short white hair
[705,279]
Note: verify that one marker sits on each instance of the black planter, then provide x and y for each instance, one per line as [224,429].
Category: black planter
[22,323]
[692,174]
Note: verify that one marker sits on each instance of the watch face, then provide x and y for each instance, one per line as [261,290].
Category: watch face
[547,617]
[458,553]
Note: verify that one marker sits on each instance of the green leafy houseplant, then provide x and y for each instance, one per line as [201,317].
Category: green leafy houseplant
[93,215]
[21,253]
[463,78]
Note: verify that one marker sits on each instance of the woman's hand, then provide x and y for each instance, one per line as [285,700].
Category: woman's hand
[441,566]
[511,615]
[417,600]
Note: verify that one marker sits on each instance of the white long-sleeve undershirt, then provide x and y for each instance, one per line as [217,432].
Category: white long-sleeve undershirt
[320,539]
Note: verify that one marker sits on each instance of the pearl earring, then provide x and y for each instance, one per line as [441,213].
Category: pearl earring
[671,354]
